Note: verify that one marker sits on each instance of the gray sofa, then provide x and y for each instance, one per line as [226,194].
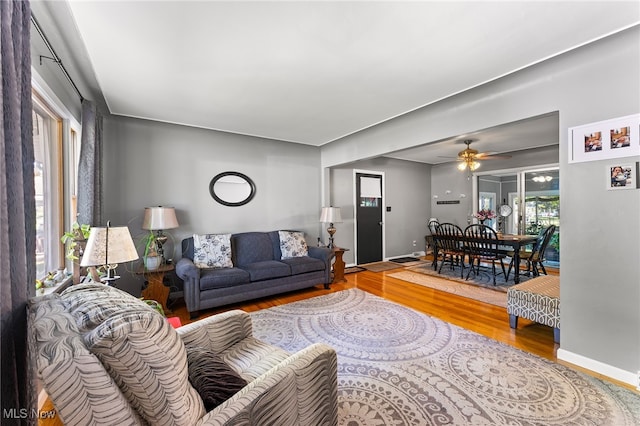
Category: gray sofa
[258,270]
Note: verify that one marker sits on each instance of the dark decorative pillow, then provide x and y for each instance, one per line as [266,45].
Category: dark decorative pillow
[214,380]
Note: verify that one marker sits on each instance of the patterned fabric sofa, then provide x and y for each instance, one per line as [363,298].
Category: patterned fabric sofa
[105,357]
[218,270]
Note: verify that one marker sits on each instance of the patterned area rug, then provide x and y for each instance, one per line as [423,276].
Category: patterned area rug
[400,367]
[483,278]
[497,298]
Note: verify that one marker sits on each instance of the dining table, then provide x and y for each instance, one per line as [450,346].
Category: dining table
[514,241]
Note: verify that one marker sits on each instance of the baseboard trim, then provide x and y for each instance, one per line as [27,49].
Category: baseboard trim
[606,370]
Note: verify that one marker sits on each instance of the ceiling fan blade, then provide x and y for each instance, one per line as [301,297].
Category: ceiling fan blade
[488,156]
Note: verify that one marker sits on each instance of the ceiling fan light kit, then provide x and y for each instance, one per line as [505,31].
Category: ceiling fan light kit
[468,163]
[468,157]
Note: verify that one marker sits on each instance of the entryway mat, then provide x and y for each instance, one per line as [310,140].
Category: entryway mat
[352,269]
[380,266]
[405,259]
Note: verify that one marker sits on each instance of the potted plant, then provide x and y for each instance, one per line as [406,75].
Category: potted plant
[76,239]
[155,305]
[78,234]
[151,258]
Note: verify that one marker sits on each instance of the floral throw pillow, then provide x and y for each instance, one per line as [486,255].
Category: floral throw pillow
[292,244]
[212,251]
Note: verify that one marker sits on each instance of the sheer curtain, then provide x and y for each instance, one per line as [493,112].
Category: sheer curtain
[17,211]
[90,167]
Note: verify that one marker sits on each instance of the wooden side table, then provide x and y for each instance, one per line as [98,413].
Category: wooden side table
[156,290]
[338,265]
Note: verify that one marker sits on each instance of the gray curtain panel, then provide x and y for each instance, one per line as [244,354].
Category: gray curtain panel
[90,167]
[17,212]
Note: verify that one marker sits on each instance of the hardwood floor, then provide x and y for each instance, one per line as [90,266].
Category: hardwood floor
[489,320]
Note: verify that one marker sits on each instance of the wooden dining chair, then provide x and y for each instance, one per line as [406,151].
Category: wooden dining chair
[429,239]
[448,240]
[482,246]
[535,256]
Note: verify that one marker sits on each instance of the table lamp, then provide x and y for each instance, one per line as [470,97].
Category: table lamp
[158,219]
[107,247]
[330,215]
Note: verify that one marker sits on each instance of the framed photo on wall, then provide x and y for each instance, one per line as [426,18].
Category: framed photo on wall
[615,138]
[622,176]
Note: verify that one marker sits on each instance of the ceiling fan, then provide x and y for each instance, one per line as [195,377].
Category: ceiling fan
[469,157]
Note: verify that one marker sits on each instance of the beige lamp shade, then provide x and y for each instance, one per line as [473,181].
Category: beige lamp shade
[108,246]
[330,215]
[156,218]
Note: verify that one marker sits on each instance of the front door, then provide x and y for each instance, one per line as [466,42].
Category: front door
[368,217]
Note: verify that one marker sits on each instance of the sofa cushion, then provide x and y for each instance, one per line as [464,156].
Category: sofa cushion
[266,270]
[292,244]
[147,359]
[214,380]
[251,247]
[301,265]
[212,251]
[220,278]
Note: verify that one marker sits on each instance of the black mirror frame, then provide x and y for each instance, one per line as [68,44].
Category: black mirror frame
[227,203]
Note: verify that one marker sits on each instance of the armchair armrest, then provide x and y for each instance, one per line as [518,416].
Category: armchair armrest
[189,273]
[322,253]
[218,332]
[301,390]
[185,269]
[325,254]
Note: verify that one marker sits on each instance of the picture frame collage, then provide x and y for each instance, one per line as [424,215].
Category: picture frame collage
[617,138]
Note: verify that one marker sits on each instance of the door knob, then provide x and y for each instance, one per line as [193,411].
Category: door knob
[380,223]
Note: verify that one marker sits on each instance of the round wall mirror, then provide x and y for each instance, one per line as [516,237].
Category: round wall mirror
[232,189]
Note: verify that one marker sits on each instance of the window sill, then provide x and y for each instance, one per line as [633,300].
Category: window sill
[58,288]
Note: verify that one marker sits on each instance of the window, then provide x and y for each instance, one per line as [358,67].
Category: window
[534,197]
[55,183]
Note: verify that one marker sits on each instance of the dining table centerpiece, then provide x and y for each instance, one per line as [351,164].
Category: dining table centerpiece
[484,214]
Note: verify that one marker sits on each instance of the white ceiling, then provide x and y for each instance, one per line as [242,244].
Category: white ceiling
[313,72]
[534,132]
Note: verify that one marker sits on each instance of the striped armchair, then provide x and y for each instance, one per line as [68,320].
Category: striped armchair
[105,357]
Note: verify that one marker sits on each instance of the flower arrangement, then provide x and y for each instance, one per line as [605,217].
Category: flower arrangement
[484,214]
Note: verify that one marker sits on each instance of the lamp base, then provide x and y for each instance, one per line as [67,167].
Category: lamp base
[331,230]
[160,240]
